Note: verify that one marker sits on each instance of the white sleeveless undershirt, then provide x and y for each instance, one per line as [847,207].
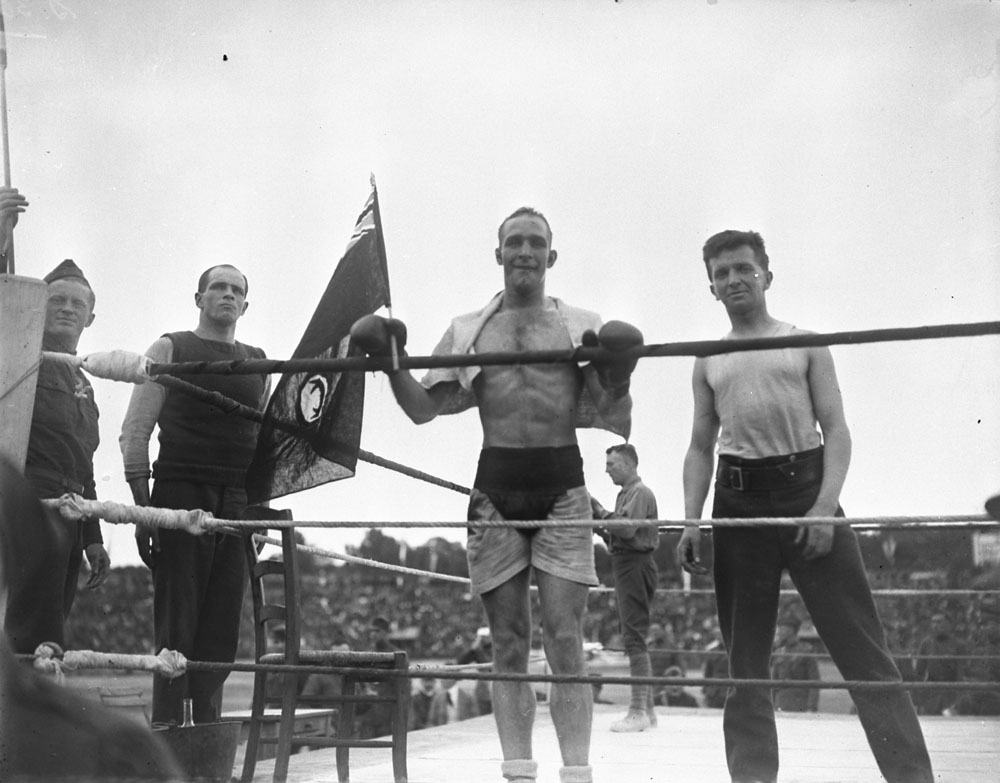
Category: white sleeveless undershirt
[763,402]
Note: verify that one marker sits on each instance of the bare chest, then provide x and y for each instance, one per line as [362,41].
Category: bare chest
[523,331]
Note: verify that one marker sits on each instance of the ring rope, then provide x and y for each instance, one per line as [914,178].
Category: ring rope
[177,664]
[887,592]
[699,348]
[197,521]
[231,406]
[131,367]
[818,655]
[366,561]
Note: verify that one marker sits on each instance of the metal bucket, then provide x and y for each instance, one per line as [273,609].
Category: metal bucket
[205,752]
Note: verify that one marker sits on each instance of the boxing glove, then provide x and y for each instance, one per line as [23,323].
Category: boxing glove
[372,334]
[615,337]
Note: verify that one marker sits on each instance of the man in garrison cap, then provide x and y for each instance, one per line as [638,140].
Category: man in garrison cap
[61,445]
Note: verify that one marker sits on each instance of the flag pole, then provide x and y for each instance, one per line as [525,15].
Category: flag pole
[7,254]
[380,245]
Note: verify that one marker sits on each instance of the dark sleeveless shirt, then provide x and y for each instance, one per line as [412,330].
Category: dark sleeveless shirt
[198,441]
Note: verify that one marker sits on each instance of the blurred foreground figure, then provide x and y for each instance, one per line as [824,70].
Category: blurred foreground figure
[47,732]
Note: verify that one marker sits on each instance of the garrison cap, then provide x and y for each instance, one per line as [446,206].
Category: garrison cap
[67,268]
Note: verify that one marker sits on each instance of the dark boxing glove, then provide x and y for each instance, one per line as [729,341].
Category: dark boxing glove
[615,337]
[372,334]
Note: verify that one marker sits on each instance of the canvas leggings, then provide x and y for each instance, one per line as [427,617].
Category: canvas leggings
[748,566]
[636,576]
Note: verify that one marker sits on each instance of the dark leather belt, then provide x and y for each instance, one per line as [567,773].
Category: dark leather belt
[764,479]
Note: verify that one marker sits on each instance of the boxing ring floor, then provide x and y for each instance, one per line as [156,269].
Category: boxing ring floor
[686,746]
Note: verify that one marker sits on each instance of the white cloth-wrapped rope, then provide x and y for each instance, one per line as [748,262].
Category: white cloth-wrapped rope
[195,521]
[50,660]
[116,365]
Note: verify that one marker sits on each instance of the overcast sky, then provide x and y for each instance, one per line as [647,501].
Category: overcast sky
[155,139]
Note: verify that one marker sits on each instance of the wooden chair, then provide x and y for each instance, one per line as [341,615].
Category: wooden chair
[395,690]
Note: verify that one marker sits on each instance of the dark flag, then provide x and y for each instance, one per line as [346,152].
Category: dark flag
[312,426]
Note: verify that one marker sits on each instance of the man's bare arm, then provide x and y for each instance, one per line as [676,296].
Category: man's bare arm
[420,404]
[700,457]
[817,540]
[829,407]
[698,463]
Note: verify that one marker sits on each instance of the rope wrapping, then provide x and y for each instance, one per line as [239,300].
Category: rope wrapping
[194,521]
[51,661]
[116,365]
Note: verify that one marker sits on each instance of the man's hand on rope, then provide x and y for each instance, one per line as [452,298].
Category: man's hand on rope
[373,334]
[615,337]
[689,551]
[815,540]
[100,565]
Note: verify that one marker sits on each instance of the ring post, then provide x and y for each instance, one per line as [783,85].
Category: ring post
[22,322]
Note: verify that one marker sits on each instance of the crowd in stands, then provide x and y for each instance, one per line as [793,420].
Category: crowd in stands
[436,620]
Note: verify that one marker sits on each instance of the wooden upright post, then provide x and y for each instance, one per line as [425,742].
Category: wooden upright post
[22,321]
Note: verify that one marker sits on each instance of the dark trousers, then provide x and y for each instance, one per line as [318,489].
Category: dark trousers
[748,566]
[42,583]
[198,586]
[635,585]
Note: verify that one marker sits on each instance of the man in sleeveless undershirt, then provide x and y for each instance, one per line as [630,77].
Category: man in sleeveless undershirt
[777,420]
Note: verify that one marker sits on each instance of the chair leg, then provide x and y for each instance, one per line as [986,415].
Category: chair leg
[286,727]
[400,719]
[345,729]
[253,736]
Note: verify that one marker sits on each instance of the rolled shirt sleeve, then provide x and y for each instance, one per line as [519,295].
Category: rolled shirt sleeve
[143,412]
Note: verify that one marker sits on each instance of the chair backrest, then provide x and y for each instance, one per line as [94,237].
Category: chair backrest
[265,612]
